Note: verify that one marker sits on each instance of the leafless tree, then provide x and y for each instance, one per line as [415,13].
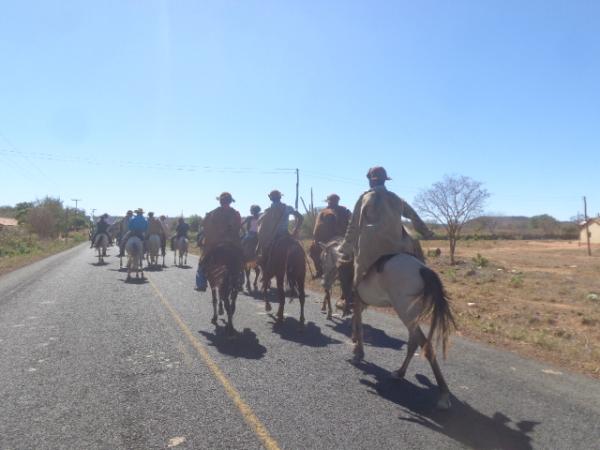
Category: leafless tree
[452,202]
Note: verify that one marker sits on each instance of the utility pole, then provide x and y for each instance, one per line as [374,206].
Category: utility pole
[587,228]
[76,200]
[93,211]
[297,188]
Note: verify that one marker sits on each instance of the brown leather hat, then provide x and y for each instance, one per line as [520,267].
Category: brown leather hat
[225,197]
[275,194]
[377,173]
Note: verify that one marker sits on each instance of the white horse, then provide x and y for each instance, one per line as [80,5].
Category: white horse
[100,244]
[181,246]
[135,257]
[415,292]
[153,251]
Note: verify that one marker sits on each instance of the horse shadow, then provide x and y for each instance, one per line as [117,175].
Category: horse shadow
[371,335]
[242,345]
[462,423]
[308,334]
[134,280]
[99,264]
[157,268]
[183,266]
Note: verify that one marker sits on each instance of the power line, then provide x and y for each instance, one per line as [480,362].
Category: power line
[148,165]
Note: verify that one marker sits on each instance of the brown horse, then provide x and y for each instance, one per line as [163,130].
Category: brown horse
[286,258]
[223,266]
[250,262]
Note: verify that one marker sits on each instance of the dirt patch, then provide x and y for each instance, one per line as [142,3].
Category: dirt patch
[540,299]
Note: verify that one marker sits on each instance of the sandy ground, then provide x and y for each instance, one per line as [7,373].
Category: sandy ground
[540,299]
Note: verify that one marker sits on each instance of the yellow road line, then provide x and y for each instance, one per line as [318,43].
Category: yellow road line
[251,419]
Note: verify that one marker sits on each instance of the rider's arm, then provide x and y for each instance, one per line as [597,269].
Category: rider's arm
[299,220]
[347,248]
[417,222]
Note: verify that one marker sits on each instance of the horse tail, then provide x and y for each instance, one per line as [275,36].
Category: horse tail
[438,306]
[295,264]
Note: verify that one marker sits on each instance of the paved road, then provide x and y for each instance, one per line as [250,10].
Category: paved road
[88,361]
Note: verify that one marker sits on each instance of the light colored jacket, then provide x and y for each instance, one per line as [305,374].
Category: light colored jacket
[376,230]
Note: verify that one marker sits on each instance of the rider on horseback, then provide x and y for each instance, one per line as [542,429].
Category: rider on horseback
[101,227]
[181,231]
[376,230]
[250,223]
[155,226]
[137,227]
[274,225]
[221,226]
[123,230]
[331,223]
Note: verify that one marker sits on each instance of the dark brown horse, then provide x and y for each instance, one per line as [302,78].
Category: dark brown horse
[286,258]
[250,262]
[223,266]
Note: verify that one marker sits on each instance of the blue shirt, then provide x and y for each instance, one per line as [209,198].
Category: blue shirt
[138,223]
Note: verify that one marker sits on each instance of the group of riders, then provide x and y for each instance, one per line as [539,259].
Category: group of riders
[141,227]
[373,230]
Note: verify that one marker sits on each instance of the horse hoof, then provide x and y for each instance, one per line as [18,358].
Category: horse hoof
[443,403]
[213,321]
[267,307]
[397,375]
[356,359]
[329,316]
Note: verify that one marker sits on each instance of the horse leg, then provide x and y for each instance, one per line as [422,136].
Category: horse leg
[214,302]
[266,294]
[224,293]
[416,338]
[142,265]
[247,273]
[359,352]
[256,275]
[221,311]
[302,298]
[444,400]
[280,297]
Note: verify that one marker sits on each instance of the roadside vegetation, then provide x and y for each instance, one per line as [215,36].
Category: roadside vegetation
[45,227]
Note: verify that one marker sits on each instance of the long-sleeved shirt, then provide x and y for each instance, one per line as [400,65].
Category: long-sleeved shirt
[138,223]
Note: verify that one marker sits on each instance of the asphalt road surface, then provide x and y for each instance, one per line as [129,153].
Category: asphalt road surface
[88,361]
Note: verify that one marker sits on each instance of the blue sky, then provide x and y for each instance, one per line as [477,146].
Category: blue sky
[164,104]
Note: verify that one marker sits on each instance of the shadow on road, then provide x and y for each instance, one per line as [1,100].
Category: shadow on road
[185,266]
[309,334]
[243,345]
[462,422]
[371,335]
[158,268]
[99,264]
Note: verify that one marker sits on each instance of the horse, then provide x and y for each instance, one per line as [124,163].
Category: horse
[181,246]
[329,276]
[100,243]
[415,292]
[250,262]
[222,267]
[135,257]
[286,257]
[153,251]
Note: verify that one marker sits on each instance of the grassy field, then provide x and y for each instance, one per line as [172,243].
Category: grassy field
[18,248]
[538,298]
